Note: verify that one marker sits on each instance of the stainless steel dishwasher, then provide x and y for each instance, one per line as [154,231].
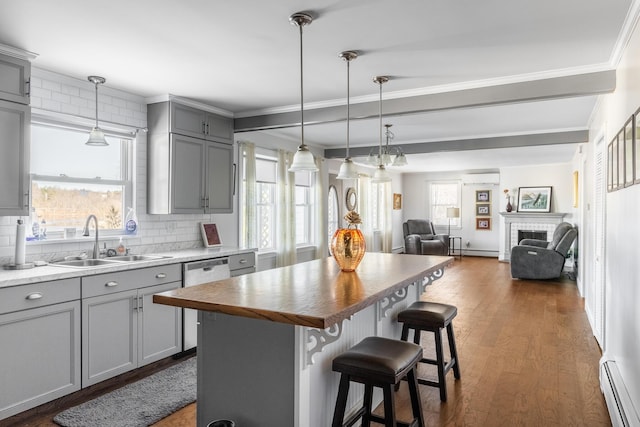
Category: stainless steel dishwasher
[197,273]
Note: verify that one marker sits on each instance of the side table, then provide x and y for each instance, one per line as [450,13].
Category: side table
[452,246]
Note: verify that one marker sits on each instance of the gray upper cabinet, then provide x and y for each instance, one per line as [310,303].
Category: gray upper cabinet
[199,124]
[15,77]
[15,118]
[190,161]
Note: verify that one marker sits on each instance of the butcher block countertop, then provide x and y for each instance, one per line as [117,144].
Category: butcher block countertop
[314,293]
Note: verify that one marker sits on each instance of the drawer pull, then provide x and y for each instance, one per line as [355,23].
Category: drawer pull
[34,296]
[161,275]
[243,261]
[111,284]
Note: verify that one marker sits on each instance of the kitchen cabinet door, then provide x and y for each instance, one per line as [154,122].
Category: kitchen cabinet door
[40,356]
[188,164]
[109,336]
[160,326]
[220,179]
[15,77]
[187,121]
[14,161]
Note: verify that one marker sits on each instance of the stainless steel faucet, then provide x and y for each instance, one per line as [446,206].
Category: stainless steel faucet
[86,233]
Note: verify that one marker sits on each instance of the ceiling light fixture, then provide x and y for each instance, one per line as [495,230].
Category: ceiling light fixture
[348,168]
[96,137]
[399,160]
[303,159]
[381,174]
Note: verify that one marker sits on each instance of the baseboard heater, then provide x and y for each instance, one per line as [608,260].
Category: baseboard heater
[621,410]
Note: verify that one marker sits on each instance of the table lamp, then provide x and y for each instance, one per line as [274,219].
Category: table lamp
[452,213]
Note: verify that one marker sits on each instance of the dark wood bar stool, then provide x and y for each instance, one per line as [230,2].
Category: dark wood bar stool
[378,362]
[432,316]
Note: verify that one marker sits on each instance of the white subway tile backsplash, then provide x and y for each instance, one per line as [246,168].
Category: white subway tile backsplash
[76,97]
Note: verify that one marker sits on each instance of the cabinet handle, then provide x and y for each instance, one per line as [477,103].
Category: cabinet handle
[141,303]
[207,128]
[206,202]
[243,261]
[204,127]
[34,296]
[135,303]
[26,199]
[111,284]
[161,275]
[27,87]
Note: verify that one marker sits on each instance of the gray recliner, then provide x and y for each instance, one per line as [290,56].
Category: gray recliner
[539,259]
[420,238]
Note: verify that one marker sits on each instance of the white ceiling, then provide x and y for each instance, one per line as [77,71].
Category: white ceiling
[243,57]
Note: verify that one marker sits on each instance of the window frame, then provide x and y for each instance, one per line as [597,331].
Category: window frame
[456,223]
[127,165]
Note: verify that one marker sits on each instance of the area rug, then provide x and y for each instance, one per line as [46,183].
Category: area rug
[137,404]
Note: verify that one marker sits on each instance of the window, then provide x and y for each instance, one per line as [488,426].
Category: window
[71,180]
[444,195]
[267,207]
[266,202]
[303,208]
[333,217]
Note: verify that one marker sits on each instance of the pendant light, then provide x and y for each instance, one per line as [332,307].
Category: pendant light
[96,137]
[381,174]
[348,168]
[400,159]
[303,159]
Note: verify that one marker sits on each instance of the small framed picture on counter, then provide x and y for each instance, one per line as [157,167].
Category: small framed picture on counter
[210,235]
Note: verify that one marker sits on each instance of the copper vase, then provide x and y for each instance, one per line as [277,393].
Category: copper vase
[348,248]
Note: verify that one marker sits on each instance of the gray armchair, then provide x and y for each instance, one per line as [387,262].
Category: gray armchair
[539,259]
[420,238]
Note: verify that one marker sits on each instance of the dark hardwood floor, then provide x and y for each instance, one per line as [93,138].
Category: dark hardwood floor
[527,356]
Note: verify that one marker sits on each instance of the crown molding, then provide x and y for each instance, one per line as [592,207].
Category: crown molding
[17,53]
[190,103]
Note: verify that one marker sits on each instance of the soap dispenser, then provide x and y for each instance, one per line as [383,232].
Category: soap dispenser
[121,249]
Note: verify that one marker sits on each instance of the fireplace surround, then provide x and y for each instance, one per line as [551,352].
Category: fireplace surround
[515,221]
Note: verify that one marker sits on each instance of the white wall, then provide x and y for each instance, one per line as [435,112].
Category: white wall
[64,98]
[557,176]
[622,293]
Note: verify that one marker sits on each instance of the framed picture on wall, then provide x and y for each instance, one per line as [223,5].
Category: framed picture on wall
[629,157]
[534,199]
[610,167]
[636,147]
[614,164]
[483,223]
[483,196]
[621,159]
[483,209]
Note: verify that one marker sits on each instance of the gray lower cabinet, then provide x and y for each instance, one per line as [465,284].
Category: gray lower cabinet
[40,340]
[122,328]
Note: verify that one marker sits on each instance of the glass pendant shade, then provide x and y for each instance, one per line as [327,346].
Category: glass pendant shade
[400,160]
[96,138]
[381,175]
[386,159]
[303,161]
[347,170]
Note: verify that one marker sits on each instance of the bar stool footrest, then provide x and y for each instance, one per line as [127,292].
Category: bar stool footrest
[377,419]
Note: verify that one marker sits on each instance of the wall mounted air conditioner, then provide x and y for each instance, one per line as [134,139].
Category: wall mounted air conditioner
[481,178]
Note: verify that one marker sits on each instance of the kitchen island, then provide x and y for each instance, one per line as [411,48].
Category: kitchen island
[266,340]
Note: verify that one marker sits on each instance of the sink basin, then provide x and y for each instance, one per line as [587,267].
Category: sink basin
[129,258]
[83,263]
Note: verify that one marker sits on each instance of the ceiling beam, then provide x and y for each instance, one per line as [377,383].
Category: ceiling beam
[550,138]
[535,90]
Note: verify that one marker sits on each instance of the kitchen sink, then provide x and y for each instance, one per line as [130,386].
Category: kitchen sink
[84,263]
[129,258]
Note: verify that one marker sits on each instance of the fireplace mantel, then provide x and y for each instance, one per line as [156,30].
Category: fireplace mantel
[515,221]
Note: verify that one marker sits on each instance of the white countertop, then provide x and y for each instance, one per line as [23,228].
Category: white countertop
[52,272]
